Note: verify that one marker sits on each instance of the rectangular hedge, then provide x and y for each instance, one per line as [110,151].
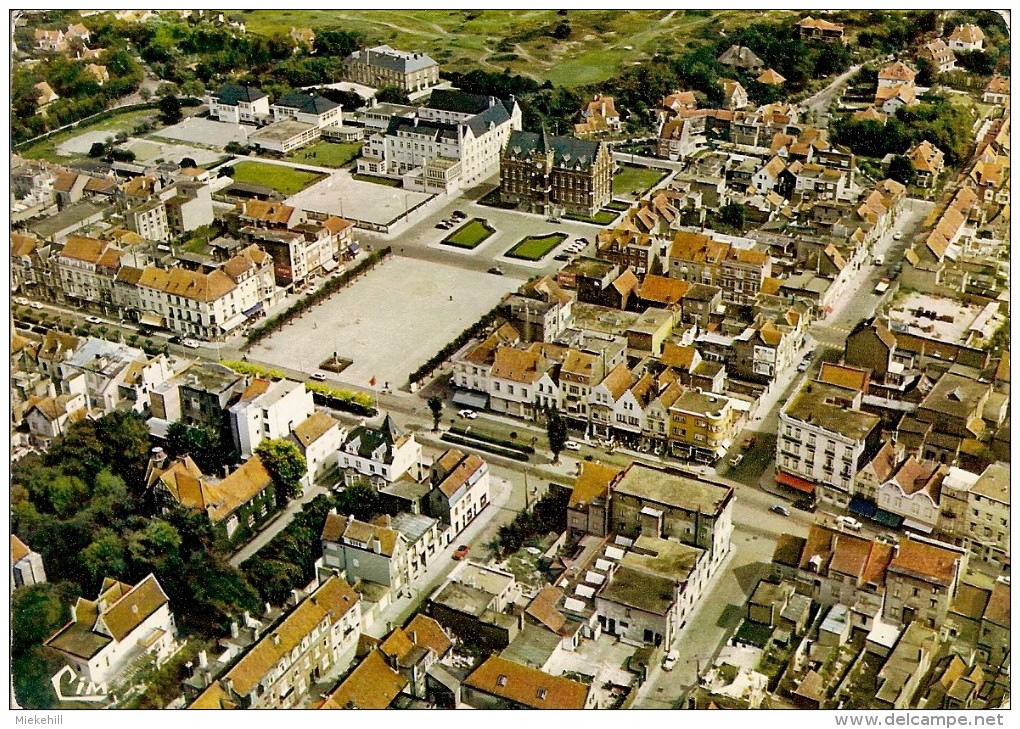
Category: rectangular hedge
[512,445]
[482,445]
[535,247]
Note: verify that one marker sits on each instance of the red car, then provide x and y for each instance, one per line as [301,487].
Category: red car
[462,551]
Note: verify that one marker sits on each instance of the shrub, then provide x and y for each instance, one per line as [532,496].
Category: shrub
[473,443]
[523,448]
[437,359]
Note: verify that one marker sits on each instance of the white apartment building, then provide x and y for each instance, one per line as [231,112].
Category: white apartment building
[238,104]
[453,126]
[315,110]
[988,519]
[268,410]
[86,268]
[319,437]
[460,489]
[384,452]
[822,439]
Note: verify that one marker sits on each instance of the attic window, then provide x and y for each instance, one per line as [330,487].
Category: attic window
[541,694]
[956,395]
[501,680]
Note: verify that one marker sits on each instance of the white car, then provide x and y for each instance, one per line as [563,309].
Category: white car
[736,460]
[670,660]
[93,320]
[318,377]
[468,414]
[849,523]
[36,305]
[21,302]
[898,236]
[572,445]
[191,343]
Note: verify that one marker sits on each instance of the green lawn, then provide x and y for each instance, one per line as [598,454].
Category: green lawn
[285,180]
[533,248]
[126,122]
[327,154]
[469,235]
[633,179]
[377,180]
[602,217]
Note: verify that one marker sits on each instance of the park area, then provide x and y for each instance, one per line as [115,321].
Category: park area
[535,247]
[285,180]
[469,235]
[327,154]
[634,180]
[392,320]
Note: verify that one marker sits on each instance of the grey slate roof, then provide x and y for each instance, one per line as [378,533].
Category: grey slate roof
[568,152]
[307,103]
[386,57]
[230,94]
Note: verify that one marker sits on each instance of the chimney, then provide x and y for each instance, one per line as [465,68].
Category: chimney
[51,389]
[189,669]
[233,629]
[276,638]
[203,659]
[295,596]
[269,608]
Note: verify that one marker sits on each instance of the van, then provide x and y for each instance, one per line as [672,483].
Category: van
[848,522]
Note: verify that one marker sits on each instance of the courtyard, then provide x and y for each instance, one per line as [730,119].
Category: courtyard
[388,323]
[340,194]
[206,132]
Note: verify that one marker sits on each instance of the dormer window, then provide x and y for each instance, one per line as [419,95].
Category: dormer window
[501,680]
[541,694]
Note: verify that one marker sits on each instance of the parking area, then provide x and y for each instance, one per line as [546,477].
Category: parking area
[152,149]
[340,194]
[389,322]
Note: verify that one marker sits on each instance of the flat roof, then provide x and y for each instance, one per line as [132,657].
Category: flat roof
[815,404]
[281,131]
[672,489]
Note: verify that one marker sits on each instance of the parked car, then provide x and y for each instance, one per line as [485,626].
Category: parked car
[175,339]
[804,504]
[879,259]
[442,226]
[848,522]
[467,413]
[462,551]
[572,445]
[779,509]
[318,377]
[552,220]
[93,320]
[670,660]
[882,286]
[36,305]
[191,343]
[583,241]
[459,215]
[20,301]
[804,364]
[736,460]
[898,236]
[496,270]
[748,443]
[561,257]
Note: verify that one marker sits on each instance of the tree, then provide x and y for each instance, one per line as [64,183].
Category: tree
[902,170]
[733,215]
[98,149]
[286,465]
[392,95]
[436,406]
[188,162]
[925,72]
[360,501]
[104,557]
[37,612]
[170,110]
[556,430]
[145,93]
[202,444]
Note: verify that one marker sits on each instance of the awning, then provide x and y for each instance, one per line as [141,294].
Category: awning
[330,265]
[917,526]
[797,484]
[860,505]
[471,399]
[253,310]
[152,320]
[887,518]
[234,321]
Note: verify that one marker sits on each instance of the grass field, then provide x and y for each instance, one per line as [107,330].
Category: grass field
[601,42]
[126,122]
[631,179]
[327,154]
[285,180]
[469,235]
[602,217]
[533,248]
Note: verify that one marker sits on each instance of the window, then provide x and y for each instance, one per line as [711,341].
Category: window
[501,680]
[541,694]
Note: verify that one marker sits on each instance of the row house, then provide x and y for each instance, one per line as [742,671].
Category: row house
[459,490]
[739,272]
[824,439]
[30,262]
[113,375]
[914,493]
[198,396]
[541,310]
[317,638]
[192,303]
[268,410]
[658,503]
[318,437]
[976,512]
[372,552]
[86,268]
[514,380]
[817,181]
[473,363]
[701,426]
[502,684]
